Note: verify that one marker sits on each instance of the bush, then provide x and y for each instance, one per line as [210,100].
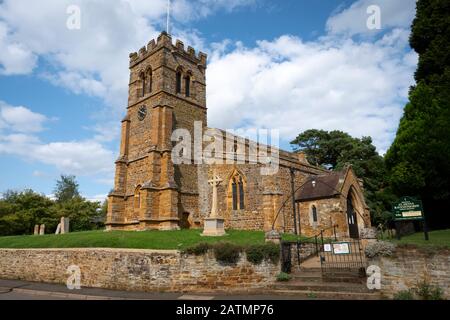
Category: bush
[199,249]
[380,248]
[258,253]
[283,277]
[427,291]
[227,253]
[423,290]
[404,295]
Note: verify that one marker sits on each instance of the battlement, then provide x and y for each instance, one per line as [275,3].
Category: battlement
[165,40]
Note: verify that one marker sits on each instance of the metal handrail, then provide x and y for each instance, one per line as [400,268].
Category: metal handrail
[284,203]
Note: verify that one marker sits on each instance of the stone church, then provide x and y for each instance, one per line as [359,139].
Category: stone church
[167,92]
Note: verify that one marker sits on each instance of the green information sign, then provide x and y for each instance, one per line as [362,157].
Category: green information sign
[408,208]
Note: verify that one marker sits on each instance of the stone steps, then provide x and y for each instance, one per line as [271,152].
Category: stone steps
[336,284]
[328,295]
[316,286]
[309,276]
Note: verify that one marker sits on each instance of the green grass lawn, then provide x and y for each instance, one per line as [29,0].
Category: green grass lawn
[130,239]
[437,238]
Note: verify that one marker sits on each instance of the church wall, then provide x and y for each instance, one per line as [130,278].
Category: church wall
[252,217]
[329,213]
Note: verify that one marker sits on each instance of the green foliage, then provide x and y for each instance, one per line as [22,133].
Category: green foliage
[227,253]
[312,295]
[423,291]
[438,239]
[158,240]
[199,249]
[404,295]
[430,39]
[66,189]
[427,291]
[83,214]
[21,211]
[258,253]
[417,161]
[283,277]
[336,149]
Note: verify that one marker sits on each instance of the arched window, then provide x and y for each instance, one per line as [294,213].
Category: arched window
[314,213]
[137,198]
[187,85]
[237,186]
[179,76]
[150,80]
[234,195]
[142,90]
[241,194]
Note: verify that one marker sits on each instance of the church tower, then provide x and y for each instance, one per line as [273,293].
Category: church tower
[167,91]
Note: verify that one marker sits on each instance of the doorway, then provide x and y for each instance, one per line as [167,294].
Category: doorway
[185,222]
[352,219]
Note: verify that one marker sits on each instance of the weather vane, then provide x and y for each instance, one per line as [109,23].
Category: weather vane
[168,17]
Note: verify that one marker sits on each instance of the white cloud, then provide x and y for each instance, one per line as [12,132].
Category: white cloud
[331,83]
[84,158]
[20,119]
[291,85]
[94,59]
[97,198]
[19,126]
[353,20]
[15,58]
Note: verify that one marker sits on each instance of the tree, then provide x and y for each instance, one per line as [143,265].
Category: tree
[66,189]
[418,160]
[21,211]
[83,214]
[336,149]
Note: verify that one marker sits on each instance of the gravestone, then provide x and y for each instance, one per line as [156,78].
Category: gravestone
[63,226]
[42,229]
[36,230]
[58,229]
[65,223]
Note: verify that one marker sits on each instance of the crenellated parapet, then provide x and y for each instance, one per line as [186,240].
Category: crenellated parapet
[165,41]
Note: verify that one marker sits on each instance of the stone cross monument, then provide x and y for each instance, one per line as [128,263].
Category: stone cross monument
[214,225]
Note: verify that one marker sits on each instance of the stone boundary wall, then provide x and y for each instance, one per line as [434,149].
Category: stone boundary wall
[307,250]
[136,270]
[410,265]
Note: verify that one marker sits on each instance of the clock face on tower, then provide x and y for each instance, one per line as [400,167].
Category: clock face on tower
[142,113]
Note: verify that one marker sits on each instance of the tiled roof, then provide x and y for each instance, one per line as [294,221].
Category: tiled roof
[325,186]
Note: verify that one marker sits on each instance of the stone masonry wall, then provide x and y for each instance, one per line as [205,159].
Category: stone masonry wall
[411,265]
[138,270]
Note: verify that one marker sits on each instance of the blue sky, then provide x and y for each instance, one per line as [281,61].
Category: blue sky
[286,65]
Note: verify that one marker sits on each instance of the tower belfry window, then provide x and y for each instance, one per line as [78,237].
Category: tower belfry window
[150,80]
[188,85]
[142,89]
[178,85]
